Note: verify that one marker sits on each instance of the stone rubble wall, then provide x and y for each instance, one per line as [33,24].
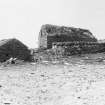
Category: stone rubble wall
[71,48]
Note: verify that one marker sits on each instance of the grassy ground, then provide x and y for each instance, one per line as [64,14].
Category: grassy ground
[71,81]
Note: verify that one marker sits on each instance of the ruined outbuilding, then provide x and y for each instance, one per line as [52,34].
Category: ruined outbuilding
[13,48]
[50,34]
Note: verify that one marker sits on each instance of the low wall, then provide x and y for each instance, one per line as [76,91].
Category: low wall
[71,48]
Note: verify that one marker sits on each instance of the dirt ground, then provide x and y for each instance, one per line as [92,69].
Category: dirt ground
[72,81]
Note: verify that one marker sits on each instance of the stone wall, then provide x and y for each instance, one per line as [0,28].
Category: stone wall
[71,48]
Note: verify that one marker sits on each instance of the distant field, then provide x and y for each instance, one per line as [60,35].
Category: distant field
[77,80]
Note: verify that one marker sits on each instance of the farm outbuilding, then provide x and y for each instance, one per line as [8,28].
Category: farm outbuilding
[52,33]
[13,48]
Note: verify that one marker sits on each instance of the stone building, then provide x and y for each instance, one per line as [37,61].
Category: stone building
[51,33]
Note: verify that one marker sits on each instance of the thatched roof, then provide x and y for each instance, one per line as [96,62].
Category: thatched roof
[13,40]
[74,33]
[13,48]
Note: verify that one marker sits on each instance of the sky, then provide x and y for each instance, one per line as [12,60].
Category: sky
[22,19]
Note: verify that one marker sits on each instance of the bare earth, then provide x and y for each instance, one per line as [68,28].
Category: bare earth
[76,81]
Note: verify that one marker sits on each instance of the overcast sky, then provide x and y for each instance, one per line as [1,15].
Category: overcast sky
[22,19]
